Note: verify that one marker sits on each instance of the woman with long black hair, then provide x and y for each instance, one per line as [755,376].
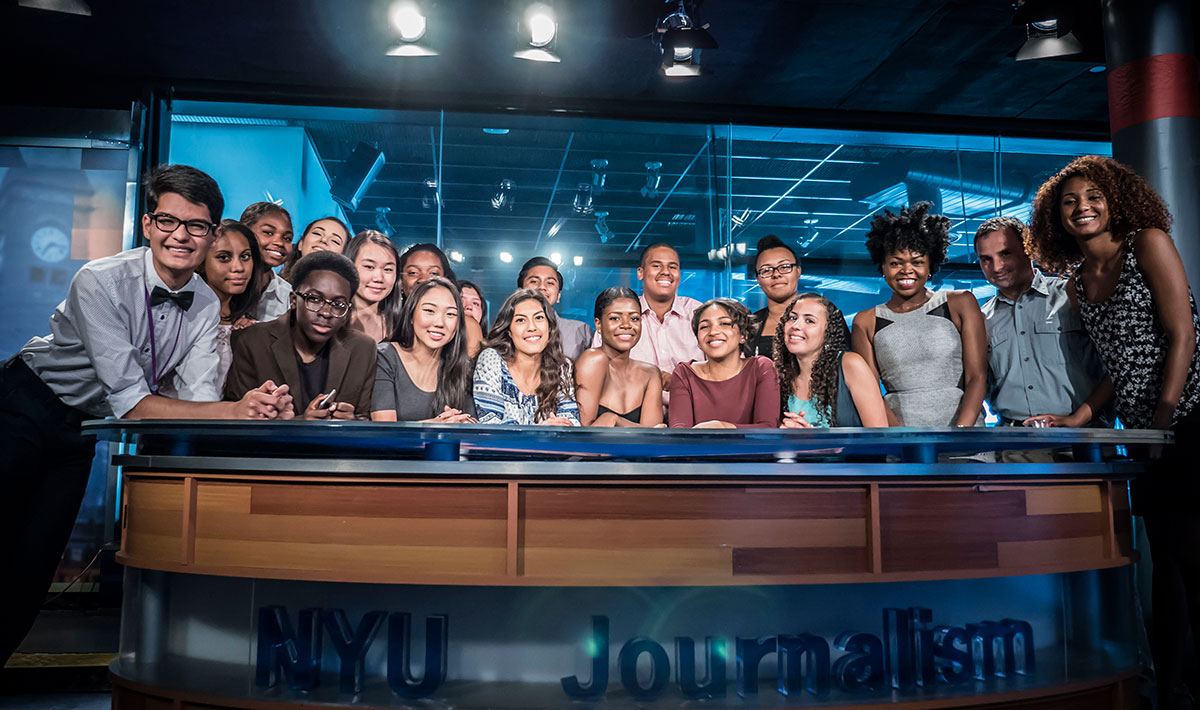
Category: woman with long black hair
[423,373]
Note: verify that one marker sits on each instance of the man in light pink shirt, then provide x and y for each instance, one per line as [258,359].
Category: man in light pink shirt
[667,337]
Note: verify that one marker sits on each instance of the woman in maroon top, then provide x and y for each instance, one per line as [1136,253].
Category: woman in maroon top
[730,389]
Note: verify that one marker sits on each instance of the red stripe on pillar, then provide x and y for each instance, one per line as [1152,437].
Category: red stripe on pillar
[1160,86]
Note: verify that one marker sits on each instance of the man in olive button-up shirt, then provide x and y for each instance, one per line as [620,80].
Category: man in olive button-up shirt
[1040,360]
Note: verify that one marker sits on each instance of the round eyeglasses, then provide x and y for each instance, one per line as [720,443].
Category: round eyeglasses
[316,303]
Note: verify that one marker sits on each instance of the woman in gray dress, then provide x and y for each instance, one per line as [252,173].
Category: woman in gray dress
[928,348]
[423,373]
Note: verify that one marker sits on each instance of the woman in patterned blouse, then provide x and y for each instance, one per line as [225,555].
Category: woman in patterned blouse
[1101,223]
[522,376]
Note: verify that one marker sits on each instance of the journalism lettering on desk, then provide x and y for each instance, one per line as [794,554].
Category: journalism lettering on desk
[913,652]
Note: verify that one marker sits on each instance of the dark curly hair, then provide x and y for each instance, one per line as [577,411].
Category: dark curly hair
[327,261]
[556,377]
[1132,205]
[454,386]
[823,380]
[743,320]
[912,229]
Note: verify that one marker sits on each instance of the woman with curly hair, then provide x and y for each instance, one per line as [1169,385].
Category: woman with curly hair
[522,376]
[822,383]
[929,348]
[1100,222]
[732,388]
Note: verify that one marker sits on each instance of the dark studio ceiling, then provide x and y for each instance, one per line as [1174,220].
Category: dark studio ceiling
[922,66]
[917,62]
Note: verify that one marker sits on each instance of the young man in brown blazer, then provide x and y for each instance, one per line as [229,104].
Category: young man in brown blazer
[330,368]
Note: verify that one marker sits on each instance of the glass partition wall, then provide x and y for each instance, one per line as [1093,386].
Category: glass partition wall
[494,190]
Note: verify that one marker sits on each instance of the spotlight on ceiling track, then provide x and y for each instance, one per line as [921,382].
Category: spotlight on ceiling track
[599,174]
[430,198]
[382,223]
[503,199]
[1048,29]
[70,7]
[653,178]
[411,24]
[681,37]
[537,34]
[602,226]
[582,204]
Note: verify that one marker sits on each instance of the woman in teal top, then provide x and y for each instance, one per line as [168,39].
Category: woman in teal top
[823,384]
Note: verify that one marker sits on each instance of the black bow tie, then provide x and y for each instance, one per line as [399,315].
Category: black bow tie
[182,299]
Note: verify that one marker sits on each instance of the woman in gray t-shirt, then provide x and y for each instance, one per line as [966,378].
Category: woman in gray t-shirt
[423,373]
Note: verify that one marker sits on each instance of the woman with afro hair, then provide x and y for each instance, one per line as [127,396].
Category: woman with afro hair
[929,348]
[1100,223]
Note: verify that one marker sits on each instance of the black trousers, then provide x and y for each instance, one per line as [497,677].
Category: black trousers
[44,467]
[1168,499]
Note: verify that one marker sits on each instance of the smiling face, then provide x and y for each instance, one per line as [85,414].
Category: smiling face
[620,324]
[325,235]
[1084,209]
[906,272]
[436,318]
[804,331]
[718,336]
[274,233]
[659,274]
[317,328]
[420,266]
[177,254]
[530,328]
[779,287]
[376,272]
[545,280]
[472,303]
[229,264]
[1002,259]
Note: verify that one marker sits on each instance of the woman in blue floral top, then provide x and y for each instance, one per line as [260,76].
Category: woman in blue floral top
[522,376]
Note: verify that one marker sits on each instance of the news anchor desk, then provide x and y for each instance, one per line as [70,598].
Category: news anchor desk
[292,564]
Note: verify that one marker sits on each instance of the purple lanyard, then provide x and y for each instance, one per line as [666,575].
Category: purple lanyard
[154,349]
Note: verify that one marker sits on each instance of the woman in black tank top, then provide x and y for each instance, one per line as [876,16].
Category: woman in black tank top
[1101,223]
[612,389]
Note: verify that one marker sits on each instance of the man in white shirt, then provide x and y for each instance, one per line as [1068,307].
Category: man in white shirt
[129,321]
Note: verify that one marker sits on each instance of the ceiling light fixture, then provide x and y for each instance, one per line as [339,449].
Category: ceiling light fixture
[70,7]
[381,221]
[582,203]
[411,24]
[1048,25]
[430,197]
[503,199]
[506,257]
[456,256]
[599,174]
[653,178]
[537,34]
[681,38]
[602,227]
[578,260]
[556,258]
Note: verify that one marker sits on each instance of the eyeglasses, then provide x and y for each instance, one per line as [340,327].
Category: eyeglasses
[315,303]
[169,223]
[767,272]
